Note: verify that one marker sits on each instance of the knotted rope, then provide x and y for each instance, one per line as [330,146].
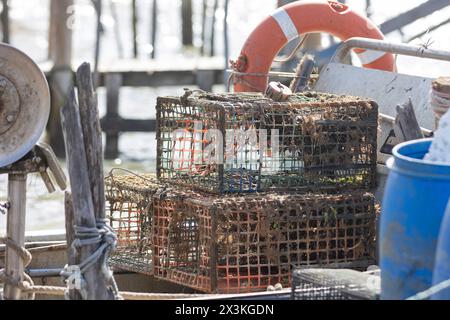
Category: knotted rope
[103,235]
[27,283]
[440,103]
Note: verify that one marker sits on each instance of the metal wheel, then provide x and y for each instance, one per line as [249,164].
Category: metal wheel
[24,104]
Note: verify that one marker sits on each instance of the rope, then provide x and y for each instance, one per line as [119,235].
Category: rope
[126,295]
[25,255]
[104,235]
[431,291]
[90,236]
[440,102]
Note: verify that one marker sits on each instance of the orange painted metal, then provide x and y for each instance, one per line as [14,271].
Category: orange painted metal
[272,34]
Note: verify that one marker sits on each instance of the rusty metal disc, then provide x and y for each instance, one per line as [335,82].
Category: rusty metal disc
[278,92]
[24,104]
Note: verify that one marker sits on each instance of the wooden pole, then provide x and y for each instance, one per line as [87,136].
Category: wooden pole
[369,8]
[4,16]
[410,16]
[406,127]
[17,188]
[134,21]
[83,207]
[61,37]
[61,80]
[72,257]
[204,11]
[113,8]
[186,22]
[154,28]
[213,29]
[99,7]
[51,30]
[113,82]
[92,135]
[226,45]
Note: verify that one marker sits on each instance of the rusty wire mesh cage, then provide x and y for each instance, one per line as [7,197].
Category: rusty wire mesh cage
[233,244]
[129,211]
[245,142]
[330,284]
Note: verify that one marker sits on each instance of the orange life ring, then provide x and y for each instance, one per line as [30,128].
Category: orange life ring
[298,18]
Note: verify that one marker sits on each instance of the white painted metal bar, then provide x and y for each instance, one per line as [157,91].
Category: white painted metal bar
[385,46]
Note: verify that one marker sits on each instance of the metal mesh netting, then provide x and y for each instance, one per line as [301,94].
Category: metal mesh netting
[245,243]
[129,210]
[313,141]
[333,284]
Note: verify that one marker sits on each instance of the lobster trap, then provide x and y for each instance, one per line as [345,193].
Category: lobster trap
[129,211]
[246,142]
[235,244]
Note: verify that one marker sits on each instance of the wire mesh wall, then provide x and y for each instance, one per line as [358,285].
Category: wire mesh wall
[330,284]
[129,210]
[233,244]
[246,143]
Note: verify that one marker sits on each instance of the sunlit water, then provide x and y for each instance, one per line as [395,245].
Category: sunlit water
[29,33]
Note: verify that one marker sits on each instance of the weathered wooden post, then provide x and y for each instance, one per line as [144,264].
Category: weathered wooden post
[369,8]
[186,22]
[92,135]
[212,38]
[406,127]
[203,35]
[226,45]
[61,75]
[134,22]
[4,16]
[113,9]
[113,82]
[83,208]
[84,203]
[72,258]
[98,9]
[154,28]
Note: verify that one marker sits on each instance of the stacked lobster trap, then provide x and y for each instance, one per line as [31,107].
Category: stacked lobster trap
[129,199]
[236,244]
[249,188]
[245,142]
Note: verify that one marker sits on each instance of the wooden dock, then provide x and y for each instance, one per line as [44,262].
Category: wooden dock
[200,72]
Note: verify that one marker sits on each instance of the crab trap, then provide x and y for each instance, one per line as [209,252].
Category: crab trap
[234,244]
[129,210]
[329,284]
[246,142]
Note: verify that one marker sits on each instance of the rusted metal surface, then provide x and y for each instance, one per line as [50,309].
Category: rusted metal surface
[129,210]
[24,104]
[325,142]
[234,244]
[32,162]
[9,104]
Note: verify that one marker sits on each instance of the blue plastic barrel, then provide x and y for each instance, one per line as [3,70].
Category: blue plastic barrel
[414,203]
[442,262]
